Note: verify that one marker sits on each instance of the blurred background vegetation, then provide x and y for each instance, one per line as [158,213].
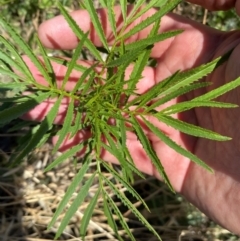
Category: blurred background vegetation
[28,197]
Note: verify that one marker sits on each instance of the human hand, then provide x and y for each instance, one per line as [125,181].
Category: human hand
[215,194]
[217,4]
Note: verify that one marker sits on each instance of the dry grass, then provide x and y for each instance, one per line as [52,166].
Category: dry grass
[29,197]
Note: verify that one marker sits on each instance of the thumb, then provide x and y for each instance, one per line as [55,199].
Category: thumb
[237,6]
[217,4]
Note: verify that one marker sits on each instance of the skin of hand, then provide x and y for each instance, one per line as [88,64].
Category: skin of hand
[218,4]
[218,194]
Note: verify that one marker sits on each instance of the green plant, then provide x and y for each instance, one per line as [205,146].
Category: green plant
[101,98]
[224,20]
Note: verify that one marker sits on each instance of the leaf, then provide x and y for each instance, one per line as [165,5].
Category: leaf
[62,134]
[128,187]
[114,130]
[111,114]
[168,141]
[27,50]
[73,60]
[69,193]
[88,214]
[150,151]
[16,111]
[142,60]
[176,81]
[118,80]
[52,78]
[74,206]
[123,4]
[120,157]
[88,85]
[176,93]
[150,20]
[103,3]
[184,106]
[150,40]
[69,153]
[112,148]
[97,137]
[192,75]
[128,165]
[79,33]
[123,133]
[120,147]
[22,143]
[20,125]
[18,57]
[111,16]
[11,62]
[11,74]
[141,100]
[143,10]
[219,91]
[77,124]
[191,129]
[11,49]
[10,86]
[131,207]
[43,128]
[160,3]
[136,7]
[44,139]
[131,165]
[66,63]
[90,71]
[109,216]
[120,216]
[125,58]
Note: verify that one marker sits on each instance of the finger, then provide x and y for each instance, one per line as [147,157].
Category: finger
[41,110]
[59,72]
[146,82]
[215,4]
[49,34]
[195,40]
[237,6]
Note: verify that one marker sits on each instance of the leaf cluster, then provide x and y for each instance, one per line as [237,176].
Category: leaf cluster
[100,96]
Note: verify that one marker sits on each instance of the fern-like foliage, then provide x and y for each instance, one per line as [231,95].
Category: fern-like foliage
[93,102]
